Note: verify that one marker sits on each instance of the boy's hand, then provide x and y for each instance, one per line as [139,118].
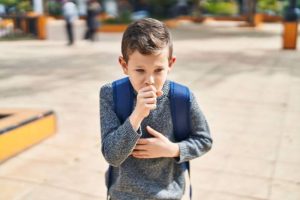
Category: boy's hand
[156,147]
[145,102]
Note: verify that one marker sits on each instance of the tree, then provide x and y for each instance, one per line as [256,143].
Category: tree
[17,6]
[250,11]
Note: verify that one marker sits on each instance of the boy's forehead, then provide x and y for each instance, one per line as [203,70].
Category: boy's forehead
[159,54]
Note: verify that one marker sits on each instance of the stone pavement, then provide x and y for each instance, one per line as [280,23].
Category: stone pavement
[248,88]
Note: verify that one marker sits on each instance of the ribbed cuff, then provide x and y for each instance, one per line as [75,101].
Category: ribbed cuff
[129,129]
[183,152]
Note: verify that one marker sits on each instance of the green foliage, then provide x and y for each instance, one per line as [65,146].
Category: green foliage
[54,8]
[20,6]
[270,6]
[17,36]
[159,8]
[24,6]
[9,2]
[123,18]
[285,4]
[219,7]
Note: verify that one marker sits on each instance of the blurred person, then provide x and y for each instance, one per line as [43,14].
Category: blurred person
[124,5]
[241,7]
[141,10]
[111,8]
[70,13]
[181,7]
[92,22]
[2,10]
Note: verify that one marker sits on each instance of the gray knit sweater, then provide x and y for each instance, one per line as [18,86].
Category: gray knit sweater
[151,179]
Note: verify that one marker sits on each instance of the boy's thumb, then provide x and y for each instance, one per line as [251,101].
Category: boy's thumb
[159,93]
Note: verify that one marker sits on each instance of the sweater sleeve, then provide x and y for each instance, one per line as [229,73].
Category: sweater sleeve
[118,140]
[199,141]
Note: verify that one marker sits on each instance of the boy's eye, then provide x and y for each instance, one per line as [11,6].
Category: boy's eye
[159,70]
[140,70]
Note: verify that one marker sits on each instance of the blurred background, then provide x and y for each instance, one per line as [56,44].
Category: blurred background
[161,9]
[25,15]
[239,57]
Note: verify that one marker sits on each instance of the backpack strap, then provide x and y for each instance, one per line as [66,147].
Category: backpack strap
[123,97]
[180,110]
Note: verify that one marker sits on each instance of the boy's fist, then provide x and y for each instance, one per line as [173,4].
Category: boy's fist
[145,102]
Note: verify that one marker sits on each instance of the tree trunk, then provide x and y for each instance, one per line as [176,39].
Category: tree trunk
[241,6]
[251,11]
[197,8]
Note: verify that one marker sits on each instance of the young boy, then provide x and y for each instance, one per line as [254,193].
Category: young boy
[145,158]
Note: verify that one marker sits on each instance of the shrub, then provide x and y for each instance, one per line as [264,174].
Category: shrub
[216,7]
[270,6]
[55,8]
[123,18]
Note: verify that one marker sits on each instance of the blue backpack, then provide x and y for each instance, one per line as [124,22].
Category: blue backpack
[123,96]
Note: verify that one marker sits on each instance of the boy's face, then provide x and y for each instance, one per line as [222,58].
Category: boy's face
[144,70]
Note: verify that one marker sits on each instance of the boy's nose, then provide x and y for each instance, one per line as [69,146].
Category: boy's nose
[150,80]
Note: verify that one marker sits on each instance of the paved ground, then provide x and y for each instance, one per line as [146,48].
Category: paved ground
[247,86]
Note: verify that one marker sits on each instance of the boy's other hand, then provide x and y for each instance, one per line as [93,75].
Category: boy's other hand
[156,147]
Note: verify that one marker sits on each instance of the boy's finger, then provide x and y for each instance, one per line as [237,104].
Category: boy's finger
[148,94]
[151,106]
[144,89]
[143,141]
[139,152]
[153,88]
[150,101]
[140,147]
[140,155]
[154,132]
[148,88]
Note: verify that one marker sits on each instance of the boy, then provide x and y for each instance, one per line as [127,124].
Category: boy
[142,150]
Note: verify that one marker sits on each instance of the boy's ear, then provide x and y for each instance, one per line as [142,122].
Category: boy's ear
[171,63]
[123,65]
